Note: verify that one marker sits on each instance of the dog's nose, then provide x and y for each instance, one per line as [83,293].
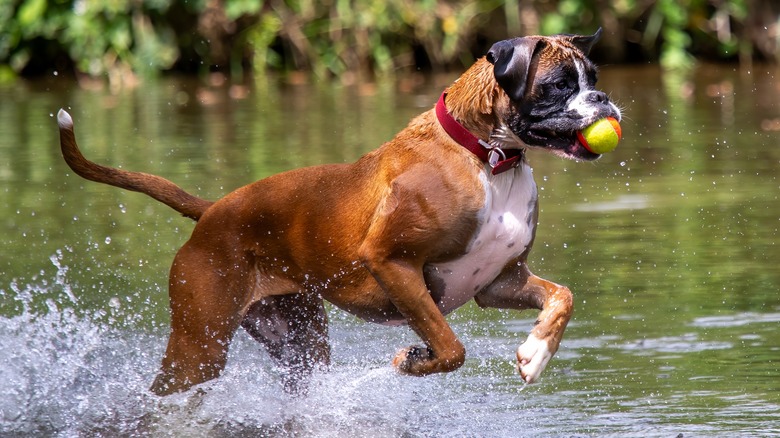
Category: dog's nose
[597,97]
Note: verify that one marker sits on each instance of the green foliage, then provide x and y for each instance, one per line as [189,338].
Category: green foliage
[99,37]
[345,38]
[567,16]
[670,17]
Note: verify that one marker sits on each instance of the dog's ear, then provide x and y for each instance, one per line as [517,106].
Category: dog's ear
[585,42]
[512,61]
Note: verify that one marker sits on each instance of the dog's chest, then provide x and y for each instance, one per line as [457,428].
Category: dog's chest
[507,223]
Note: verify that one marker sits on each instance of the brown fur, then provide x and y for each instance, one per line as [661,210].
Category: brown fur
[358,235]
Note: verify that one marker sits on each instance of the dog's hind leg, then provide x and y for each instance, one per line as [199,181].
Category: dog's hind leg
[207,292]
[294,330]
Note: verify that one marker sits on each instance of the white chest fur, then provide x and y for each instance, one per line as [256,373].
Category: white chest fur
[506,228]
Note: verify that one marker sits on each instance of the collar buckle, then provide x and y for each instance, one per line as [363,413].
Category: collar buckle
[498,159]
[495,156]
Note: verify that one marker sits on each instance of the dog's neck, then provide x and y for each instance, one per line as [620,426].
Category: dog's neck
[474,101]
[492,151]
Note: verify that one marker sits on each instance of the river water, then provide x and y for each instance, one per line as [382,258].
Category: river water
[670,245]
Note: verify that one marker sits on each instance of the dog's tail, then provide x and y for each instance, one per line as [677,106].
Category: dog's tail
[158,188]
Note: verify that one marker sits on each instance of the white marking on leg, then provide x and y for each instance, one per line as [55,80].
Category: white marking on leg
[532,358]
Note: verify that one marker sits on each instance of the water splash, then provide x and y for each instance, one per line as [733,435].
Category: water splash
[67,371]
[59,278]
[58,372]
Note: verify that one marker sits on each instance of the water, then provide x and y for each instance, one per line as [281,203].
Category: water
[669,245]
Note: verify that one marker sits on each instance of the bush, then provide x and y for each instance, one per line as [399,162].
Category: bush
[347,38]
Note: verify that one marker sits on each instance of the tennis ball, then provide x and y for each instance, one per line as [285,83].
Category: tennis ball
[602,136]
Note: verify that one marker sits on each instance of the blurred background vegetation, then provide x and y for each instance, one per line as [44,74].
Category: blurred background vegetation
[123,40]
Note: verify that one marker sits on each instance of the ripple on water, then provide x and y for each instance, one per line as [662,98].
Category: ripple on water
[735,320]
[68,372]
[685,343]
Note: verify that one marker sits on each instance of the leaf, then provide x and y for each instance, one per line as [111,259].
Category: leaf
[31,12]
[236,8]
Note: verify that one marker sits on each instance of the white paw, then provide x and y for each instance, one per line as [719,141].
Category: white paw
[532,357]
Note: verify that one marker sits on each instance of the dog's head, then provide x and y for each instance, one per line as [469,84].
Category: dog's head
[550,84]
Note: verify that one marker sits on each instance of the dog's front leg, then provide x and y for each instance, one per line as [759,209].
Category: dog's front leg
[405,231]
[517,288]
[403,283]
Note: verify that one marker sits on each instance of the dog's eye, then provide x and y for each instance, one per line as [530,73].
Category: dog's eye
[562,85]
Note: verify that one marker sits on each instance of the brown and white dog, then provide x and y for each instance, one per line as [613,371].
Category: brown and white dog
[443,213]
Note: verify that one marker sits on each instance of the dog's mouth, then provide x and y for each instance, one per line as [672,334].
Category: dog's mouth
[562,143]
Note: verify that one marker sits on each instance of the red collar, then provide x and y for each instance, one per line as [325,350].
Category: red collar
[499,160]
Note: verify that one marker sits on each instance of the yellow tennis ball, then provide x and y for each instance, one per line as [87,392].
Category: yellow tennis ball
[602,136]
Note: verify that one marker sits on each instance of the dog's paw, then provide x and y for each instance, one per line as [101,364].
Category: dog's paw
[409,360]
[532,358]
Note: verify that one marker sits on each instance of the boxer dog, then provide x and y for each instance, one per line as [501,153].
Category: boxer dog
[443,213]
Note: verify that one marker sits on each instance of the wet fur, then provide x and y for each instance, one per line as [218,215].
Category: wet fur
[376,238]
